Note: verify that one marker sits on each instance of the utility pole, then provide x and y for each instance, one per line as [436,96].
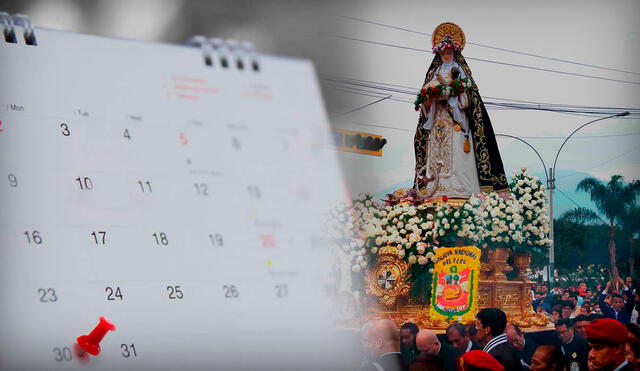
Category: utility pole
[551,184]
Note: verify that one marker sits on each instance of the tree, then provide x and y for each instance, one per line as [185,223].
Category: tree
[571,245]
[630,221]
[613,200]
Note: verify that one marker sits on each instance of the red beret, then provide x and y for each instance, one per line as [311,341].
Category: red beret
[606,330]
[480,359]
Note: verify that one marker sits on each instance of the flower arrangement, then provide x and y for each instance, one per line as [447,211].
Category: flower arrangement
[459,226]
[417,227]
[502,221]
[530,194]
[342,228]
[446,44]
[444,90]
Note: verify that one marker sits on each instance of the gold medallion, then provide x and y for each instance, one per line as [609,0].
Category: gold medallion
[448,29]
[386,280]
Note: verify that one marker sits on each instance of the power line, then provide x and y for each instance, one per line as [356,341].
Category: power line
[493,47]
[600,164]
[527,137]
[577,205]
[588,111]
[582,136]
[491,61]
[415,89]
[365,106]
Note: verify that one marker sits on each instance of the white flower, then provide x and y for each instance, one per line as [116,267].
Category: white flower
[374,250]
[363,264]
[412,259]
[401,254]
[422,260]
[421,248]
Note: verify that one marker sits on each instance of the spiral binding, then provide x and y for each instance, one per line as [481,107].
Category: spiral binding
[229,53]
[9,24]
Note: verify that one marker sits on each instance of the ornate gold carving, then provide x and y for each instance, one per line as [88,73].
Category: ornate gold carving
[505,294]
[483,299]
[498,263]
[386,280]
[528,319]
[505,298]
[522,263]
[448,29]
[441,148]
[485,269]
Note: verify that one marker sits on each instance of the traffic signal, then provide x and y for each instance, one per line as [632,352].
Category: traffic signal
[353,141]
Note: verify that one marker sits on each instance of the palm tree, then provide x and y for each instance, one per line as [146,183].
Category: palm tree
[613,200]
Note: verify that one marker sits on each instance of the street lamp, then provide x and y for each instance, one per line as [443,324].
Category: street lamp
[551,184]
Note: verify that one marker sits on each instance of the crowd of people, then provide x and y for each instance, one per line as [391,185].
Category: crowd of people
[595,329]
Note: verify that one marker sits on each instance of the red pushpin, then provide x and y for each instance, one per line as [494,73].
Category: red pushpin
[91,343]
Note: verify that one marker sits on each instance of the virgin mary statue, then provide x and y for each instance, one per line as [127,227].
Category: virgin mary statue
[455,147]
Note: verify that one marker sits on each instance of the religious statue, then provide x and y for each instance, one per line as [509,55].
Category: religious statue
[455,147]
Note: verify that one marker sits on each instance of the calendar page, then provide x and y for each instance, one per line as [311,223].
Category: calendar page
[182,201]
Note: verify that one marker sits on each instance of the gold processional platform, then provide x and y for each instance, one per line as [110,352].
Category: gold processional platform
[494,290]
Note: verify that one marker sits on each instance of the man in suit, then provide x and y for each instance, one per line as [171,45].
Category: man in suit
[618,310]
[428,344]
[459,338]
[525,347]
[607,338]
[408,348]
[490,324]
[384,346]
[574,347]
[579,323]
